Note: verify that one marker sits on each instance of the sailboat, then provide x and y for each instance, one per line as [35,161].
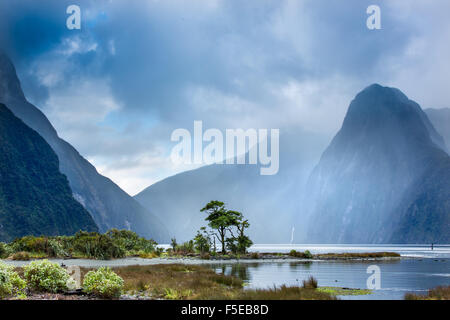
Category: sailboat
[292,235]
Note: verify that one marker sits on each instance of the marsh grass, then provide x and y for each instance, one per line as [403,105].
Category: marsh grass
[438,293]
[285,293]
[310,283]
[195,282]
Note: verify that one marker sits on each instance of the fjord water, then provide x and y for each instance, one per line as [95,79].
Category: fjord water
[419,269]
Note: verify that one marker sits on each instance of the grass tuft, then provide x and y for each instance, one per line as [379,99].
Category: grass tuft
[438,293]
[310,283]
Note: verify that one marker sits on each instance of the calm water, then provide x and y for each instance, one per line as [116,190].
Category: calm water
[421,270]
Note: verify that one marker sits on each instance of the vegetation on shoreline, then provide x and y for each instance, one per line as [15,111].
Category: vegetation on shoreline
[302,255]
[438,293]
[91,245]
[171,282]
[46,277]
[338,291]
[354,255]
[194,282]
[226,226]
[122,243]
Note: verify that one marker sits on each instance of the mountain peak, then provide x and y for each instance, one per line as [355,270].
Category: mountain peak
[9,82]
[377,97]
[385,170]
[384,109]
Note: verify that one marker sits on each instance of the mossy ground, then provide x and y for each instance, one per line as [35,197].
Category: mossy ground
[338,291]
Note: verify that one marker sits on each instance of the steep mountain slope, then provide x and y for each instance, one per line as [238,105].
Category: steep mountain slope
[35,198]
[440,118]
[424,211]
[109,205]
[383,177]
[269,202]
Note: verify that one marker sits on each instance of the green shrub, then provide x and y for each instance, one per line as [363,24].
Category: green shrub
[103,283]
[202,241]
[113,244]
[20,256]
[159,251]
[254,255]
[130,241]
[50,247]
[304,255]
[46,276]
[186,247]
[308,254]
[30,244]
[98,246]
[56,249]
[10,282]
[173,244]
[5,250]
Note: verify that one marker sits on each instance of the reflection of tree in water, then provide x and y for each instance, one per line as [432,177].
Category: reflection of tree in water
[244,271]
[294,266]
[239,270]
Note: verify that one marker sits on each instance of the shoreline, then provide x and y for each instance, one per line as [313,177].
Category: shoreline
[136,261]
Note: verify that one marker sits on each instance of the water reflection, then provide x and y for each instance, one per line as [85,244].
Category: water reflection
[397,276]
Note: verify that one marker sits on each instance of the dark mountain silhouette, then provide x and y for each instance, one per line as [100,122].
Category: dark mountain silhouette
[35,197]
[109,205]
[384,177]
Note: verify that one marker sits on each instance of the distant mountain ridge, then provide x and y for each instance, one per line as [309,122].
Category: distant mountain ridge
[35,197]
[268,202]
[384,178]
[109,205]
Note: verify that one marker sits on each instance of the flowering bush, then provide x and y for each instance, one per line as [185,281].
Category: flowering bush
[103,283]
[10,282]
[46,276]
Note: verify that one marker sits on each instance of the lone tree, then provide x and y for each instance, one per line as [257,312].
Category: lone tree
[243,241]
[221,220]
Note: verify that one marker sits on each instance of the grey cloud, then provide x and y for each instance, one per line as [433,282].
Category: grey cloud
[229,63]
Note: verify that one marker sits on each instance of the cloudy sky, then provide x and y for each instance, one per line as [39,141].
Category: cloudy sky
[137,70]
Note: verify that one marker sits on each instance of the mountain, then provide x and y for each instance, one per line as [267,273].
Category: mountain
[384,178]
[109,205]
[35,197]
[440,118]
[268,202]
